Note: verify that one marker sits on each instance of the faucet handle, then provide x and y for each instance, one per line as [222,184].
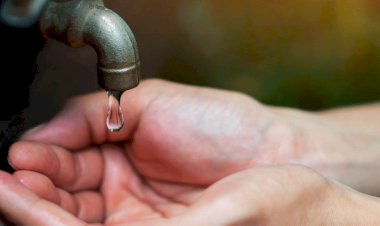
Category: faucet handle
[21,13]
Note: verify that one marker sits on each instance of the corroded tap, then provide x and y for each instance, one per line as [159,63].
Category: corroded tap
[83,22]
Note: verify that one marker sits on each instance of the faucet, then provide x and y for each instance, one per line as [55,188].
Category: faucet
[83,22]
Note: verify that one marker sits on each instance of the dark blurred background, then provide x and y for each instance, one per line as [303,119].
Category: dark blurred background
[313,55]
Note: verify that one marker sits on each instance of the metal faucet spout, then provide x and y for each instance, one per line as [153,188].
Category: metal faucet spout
[87,22]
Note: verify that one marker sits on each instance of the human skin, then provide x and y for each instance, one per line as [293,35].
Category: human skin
[173,132]
[276,195]
[181,140]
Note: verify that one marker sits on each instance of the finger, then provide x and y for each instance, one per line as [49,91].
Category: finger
[90,206]
[39,184]
[123,191]
[23,207]
[87,206]
[82,121]
[69,171]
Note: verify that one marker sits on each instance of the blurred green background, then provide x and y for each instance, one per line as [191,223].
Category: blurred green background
[309,54]
[313,54]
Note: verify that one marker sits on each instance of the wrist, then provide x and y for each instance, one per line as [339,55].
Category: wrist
[336,152]
[345,206]
[362,118]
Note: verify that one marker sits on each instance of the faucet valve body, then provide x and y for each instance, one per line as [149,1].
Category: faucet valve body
[88,22]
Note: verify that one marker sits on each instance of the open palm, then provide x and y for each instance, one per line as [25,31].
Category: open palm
[98,186]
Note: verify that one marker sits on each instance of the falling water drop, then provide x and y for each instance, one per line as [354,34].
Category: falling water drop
[115,119]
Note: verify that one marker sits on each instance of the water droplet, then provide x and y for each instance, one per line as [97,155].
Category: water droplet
[115,119]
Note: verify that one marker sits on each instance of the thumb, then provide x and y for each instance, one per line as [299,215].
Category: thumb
[82,121]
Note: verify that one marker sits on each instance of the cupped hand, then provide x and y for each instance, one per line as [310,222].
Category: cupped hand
[187,134]
[198,135]
[95,185]
[113,194]
[277,195]
[172,132]
[177,142]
